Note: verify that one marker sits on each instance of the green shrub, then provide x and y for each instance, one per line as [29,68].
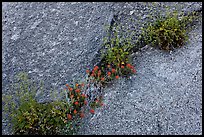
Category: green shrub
[170,32]
[30,117]
[167,34]
[115,55]
[117,46]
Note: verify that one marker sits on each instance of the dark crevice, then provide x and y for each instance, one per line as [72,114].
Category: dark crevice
[97,59]
[140,41]
[159,127]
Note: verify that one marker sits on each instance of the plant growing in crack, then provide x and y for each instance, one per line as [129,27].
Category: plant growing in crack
[27,116]
[64,116]
[170,32]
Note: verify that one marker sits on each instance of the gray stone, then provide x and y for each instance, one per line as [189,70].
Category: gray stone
[55,39]
[57,42]
[164,97]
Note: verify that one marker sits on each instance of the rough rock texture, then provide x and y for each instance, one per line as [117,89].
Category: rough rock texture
[135,16]
[56,42]
[164,97]
[53,42]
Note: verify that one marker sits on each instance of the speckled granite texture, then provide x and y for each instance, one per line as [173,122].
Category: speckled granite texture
[56,42]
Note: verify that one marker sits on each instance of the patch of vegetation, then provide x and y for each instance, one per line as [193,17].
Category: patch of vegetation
[115,57]
[27,115]
[63,116]
[168,33]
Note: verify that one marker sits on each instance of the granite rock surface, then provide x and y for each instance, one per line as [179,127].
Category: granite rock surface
[57,42]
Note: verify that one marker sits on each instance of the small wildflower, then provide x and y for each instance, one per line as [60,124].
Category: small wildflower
[134,71]
[82,84]
[67,85]
[97,101]
[99,73]
[87,71]
[83,95]
[109,73]
[76,103]
[122,63]
[117,77]
[71,96]
[75,111]
[82,115]
[113,70]
[70,89]
[77,90]
[77,84]
[102,79]
[85,102]
[92,111]
[92,74]
[69,116]
[108,66]
[131,67]
[95,68]
[128,65]
[122,67]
